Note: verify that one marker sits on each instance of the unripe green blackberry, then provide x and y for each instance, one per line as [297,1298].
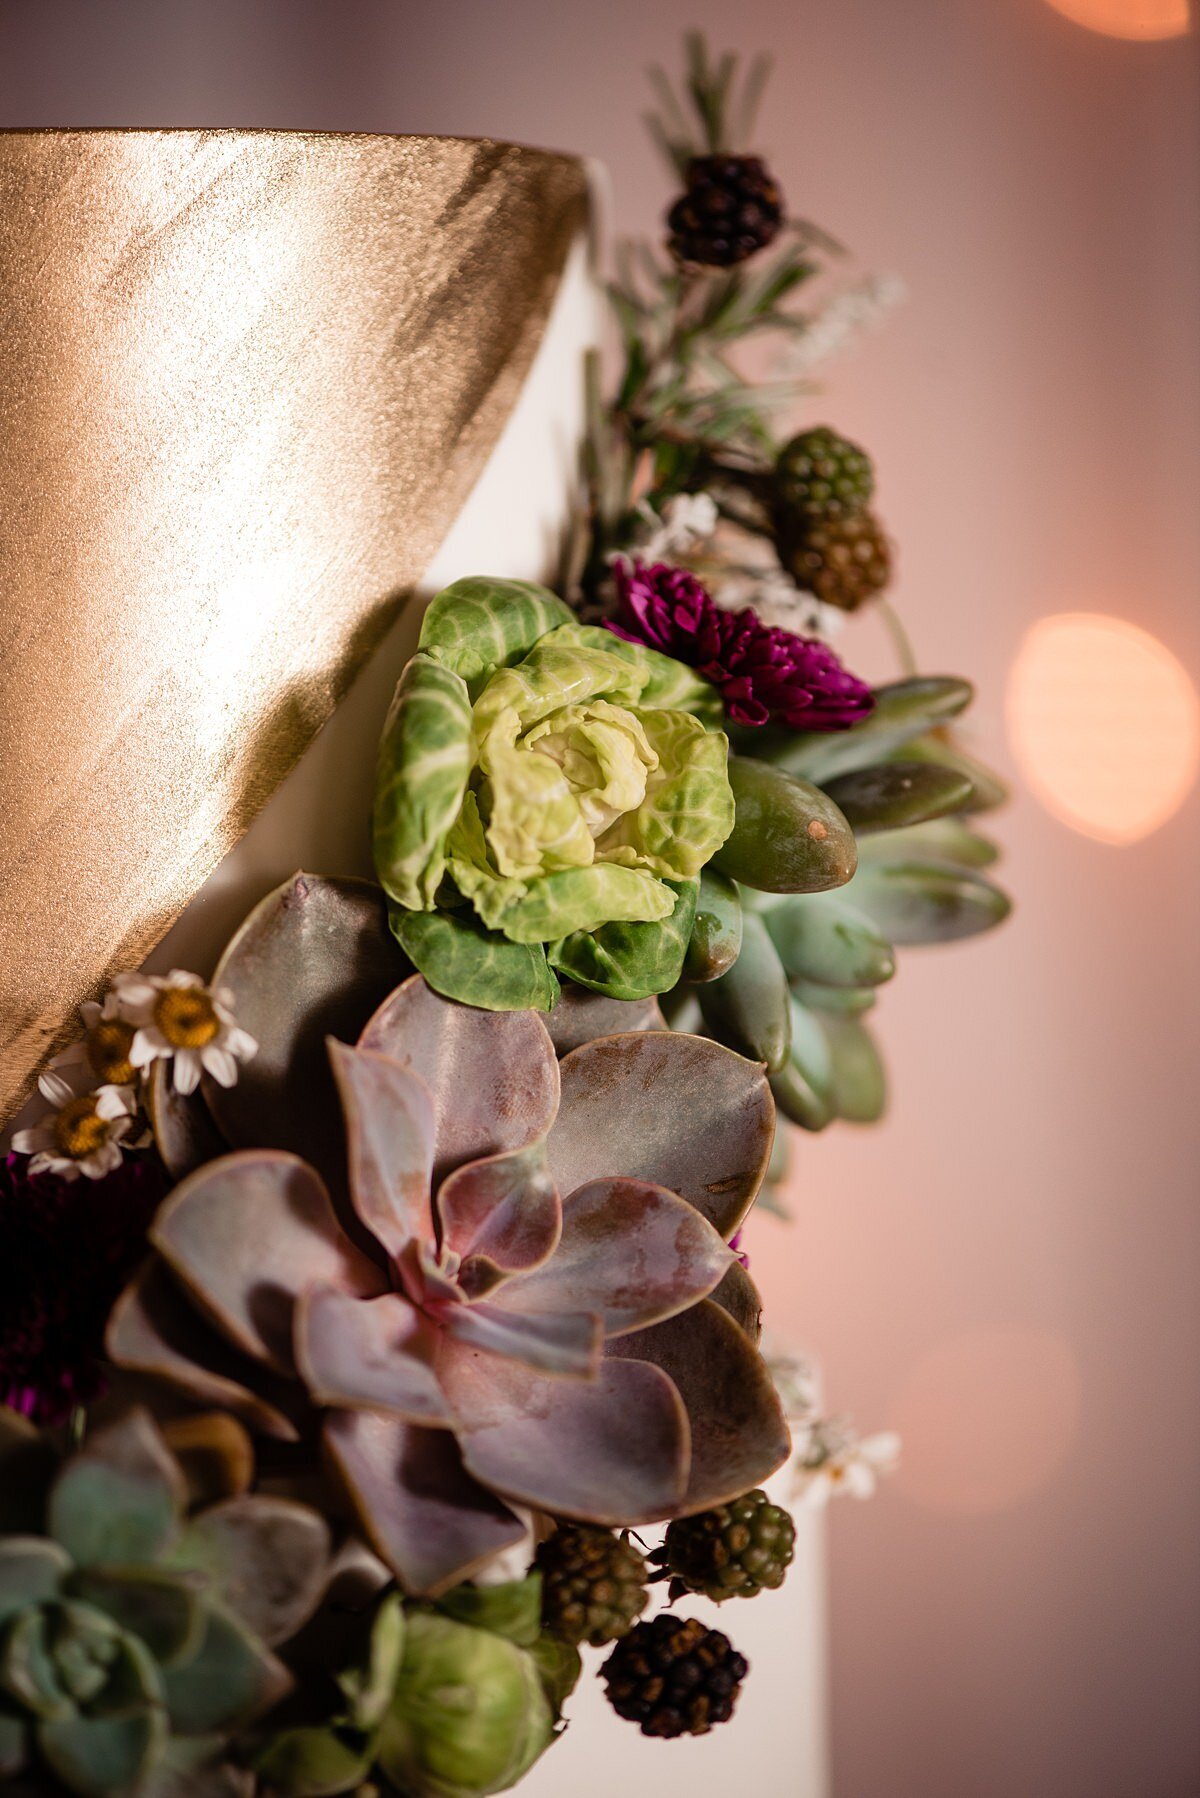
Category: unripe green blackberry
[593,1584]
[733,1551]
[821,475]
[730,209]
[673,1677]
[844,561]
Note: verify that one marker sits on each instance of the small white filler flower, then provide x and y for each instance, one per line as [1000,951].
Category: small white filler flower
[834,1459]
[82,1133]
[176,1016]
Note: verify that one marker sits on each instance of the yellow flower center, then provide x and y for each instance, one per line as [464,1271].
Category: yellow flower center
[108,1046]
[186,1017]
[78,1132]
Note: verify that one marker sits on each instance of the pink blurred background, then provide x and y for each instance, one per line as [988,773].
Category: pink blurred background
[1009,1269]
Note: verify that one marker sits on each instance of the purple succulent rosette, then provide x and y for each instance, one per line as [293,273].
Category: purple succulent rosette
[515,1304]
[764,674]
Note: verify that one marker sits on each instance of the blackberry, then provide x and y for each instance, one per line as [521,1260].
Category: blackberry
[731,208]
[593,1584]
[821,475]
[733,1551]
[673,1677]
[844,561]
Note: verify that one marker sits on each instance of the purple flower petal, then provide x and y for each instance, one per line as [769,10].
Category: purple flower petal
[763,673]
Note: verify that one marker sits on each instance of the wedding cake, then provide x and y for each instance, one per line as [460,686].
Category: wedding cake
[264,394]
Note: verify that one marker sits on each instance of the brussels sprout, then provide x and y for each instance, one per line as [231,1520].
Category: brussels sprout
[469,1715]
[541,781]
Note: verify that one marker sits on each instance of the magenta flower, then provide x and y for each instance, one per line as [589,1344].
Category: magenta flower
[764,674]
[69,1246]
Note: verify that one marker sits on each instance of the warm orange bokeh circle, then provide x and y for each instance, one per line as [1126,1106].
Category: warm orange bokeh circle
[1129,18]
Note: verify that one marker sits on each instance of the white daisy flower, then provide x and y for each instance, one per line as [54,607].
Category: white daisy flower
[686,520]
[833,1460]
[82,1133]
[176,1016]
[104,1049]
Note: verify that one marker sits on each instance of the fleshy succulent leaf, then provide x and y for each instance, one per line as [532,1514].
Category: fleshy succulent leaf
[943,749]
[858,1078]
[120,1499]
[229,1679]
[631,961]
[788,836]
[748,1007]
[264,1558]
[479,624]
[157,1606]
[31,1571]
[248,1234]
[941,840]
[612,1450]
[313,960]
[151,1332]
[462,960]
[424,1514]
[557,1342]
[390,1142]
[824,938]
[314,1761]
[738,1432]
[500,1216]
[903,710]
[580,1016]
[635,1251]
[97,1756]
[673,1110]
[915,902]
[421,778]
[716,938]
[380,1354]
[891,795]
[493,1076]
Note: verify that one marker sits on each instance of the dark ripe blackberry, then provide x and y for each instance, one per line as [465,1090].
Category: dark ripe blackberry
[844,561]
[733,1551]
[673,1677]
[821,475]
[731,208]
[593,1584]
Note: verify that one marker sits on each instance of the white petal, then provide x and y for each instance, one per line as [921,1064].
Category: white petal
[177,977]
[187,1071]
[220,1064]
[111,1007]
[28,1142]
[240,1043]
[112,1102]
[55,1089]
[102,1162]
[148,1044]
[91,1014]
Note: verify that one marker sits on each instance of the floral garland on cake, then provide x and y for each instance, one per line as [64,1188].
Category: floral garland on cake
[376,1329]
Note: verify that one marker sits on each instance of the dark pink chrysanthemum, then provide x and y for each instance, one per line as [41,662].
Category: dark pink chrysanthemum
[765,675]
[69,1246]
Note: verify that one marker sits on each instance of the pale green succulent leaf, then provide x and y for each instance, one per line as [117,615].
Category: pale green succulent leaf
[119,1501]
[749,1007]
[97,1756]
[891,795]
[914,902]
[229,1678]
[31,1572]
[630,961]
[424,763]
[803,1087]
[858,1083]
[940,840]
[156,1606]
[824,938]
[942,750]
[479,624]
[462,960]
[903,710]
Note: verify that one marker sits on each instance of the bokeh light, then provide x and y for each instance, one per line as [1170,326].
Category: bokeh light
[1105,723]
[1144,19]
[986,1418]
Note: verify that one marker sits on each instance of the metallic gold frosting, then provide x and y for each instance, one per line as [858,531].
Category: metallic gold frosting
[247,379]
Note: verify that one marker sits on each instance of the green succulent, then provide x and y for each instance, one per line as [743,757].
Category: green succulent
[546,797]
[454,1699]
[845,848]
[135,1638]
